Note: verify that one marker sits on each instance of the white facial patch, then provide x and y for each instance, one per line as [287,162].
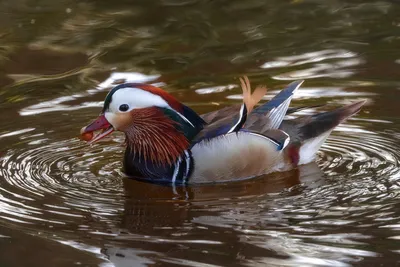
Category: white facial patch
[135,98]
[111,118]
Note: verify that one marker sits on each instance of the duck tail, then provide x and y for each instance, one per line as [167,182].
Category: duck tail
[327,121]
[314,130]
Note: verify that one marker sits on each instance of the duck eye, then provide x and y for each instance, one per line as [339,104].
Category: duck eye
[123,107]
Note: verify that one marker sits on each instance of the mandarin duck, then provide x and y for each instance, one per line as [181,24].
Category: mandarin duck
[168,142]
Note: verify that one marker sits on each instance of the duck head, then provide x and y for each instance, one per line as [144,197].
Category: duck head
[158,128]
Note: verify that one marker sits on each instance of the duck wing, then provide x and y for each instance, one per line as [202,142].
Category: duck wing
[234,122]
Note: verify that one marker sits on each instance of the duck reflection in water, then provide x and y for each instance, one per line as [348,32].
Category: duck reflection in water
[162,223]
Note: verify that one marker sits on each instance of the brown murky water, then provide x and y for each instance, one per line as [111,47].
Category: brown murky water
[63,203]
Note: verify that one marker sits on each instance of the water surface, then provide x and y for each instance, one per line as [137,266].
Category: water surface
[64,203]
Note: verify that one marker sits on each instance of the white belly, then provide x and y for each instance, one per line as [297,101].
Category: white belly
[236,156]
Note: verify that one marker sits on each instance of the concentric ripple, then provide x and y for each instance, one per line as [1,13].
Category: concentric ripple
[337,222]
[360,152]
[69,188]
[59,182]
[84,178]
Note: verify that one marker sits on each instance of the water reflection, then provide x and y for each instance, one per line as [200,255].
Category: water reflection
[59,58]
[57,104]
[308,224]
[293,218]
[311,57]
[334,69]
[68,190]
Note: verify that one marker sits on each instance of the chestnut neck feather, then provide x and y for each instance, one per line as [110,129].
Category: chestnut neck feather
[155,137]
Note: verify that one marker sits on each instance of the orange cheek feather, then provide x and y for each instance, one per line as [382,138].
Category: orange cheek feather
[122,121]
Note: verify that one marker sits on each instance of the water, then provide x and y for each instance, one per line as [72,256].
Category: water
[64,203]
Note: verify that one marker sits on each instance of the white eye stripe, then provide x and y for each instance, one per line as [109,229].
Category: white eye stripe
[135,98]
[138,98]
